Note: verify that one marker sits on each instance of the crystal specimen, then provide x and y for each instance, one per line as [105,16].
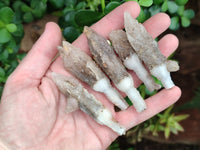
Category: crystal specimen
[147,50]
[104,55]
[85,69]
[87,102]
[130,59]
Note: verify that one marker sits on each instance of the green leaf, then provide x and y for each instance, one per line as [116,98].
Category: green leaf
[6,2]
[39,8]
[164,6]
[172,7]
[57,3]
[167,132]
[160,128]
[12,47]
[6,14]
[180,10]
[147,13]
[67,10]
[70,34]
[11,27]
[167,111]
[28,17]
[17,5]
[185,22]
[110,6]
[69,19]
[81,5]
[180,117]
[157,2]
[181,2]
[1,90]
[150,93]
[145,3]
[174,23]
[128,101]
[70,3]
[157,81]
[142,17]
[4,55]
[2,24]
[178,126]
[154,9]
[2,72]
[141,88]
[5,36]
[3,79]
[87,17]
[189,13]
[2,4]
[163,120]
[25,8]
[173,130]
[37,13]
[21,56]
[19,33]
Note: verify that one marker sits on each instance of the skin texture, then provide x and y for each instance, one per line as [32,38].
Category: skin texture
[32,110]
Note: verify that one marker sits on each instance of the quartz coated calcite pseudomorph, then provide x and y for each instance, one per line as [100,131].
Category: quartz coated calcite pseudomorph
[87,102]
[106,58]
[148,51]
[130,59]
[84,68]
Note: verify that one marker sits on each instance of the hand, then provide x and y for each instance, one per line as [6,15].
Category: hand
[32,110]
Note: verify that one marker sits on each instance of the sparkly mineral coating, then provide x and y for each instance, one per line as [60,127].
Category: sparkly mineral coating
[147,50]
[129,58]
[87,102]
[106,58]
[84,68]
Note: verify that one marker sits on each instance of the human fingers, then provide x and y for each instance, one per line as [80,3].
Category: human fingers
[157,24]
[168,44]
[155,104]
[114,20]
[39,58]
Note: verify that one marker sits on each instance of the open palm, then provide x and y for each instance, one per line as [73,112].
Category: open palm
[32,110]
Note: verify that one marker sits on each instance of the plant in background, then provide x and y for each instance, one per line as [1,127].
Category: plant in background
[166,122]
[77,14]
[27,12]
[11,35]
[176,9]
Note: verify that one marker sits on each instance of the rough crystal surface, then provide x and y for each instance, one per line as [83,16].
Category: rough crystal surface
[105,56]
[145,46]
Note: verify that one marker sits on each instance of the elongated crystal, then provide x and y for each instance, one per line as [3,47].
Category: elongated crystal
[84,68]
[148,51]
[130,59]
[105,57]
[87,102]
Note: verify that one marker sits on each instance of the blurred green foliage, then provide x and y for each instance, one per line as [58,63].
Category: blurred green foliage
[11,32]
